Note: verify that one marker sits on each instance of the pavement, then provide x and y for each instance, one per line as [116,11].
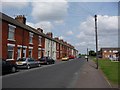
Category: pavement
[90,77]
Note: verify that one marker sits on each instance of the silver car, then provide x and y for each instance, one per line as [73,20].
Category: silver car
[27,63]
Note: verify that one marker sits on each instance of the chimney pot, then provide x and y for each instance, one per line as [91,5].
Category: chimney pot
[21,19]
[49,34]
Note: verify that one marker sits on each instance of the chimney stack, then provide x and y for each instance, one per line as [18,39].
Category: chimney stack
[56,38]
[49,34]
[40,30]
[21,19]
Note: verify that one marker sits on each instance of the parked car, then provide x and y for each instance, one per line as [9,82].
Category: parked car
[65,58]
[8,66]
[27,63]
[46,60]
[71,57]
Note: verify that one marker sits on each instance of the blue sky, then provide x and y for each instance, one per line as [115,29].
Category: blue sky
[71,21]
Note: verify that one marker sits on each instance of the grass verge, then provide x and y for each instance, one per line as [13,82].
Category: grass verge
[110,69]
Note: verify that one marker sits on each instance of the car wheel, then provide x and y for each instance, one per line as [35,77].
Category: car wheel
[47,63]
[39,65]
[28,66]
[13,69]
[53,62]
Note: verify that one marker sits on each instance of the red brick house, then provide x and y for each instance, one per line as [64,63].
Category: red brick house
[20,40]
[109,53]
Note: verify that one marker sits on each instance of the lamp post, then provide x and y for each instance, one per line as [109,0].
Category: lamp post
[96,40]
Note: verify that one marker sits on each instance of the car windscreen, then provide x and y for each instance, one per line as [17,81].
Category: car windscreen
[21,59]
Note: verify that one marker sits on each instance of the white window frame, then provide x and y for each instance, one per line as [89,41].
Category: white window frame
[39,52]
[30,38]
[40,40]
[19,48]
[105,51]
[110,51]
[31,48]
[13,31]
[11,45]
[24,49]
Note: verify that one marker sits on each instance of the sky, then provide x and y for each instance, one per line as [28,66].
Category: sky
[72,21]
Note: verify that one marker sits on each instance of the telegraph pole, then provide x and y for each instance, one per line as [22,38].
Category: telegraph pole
[96,40]
[87,54]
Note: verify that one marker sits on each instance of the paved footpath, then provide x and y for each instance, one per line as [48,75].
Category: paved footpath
[90,77]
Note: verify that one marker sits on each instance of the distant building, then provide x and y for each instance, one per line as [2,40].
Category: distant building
[110,53]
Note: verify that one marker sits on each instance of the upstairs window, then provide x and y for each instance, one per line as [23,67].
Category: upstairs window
[30,37]
[11,34]
[105,51]
[40,40]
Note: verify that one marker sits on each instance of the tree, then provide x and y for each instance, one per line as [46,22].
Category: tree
[92,53]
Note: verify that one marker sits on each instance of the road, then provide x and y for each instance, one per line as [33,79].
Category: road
[60,75]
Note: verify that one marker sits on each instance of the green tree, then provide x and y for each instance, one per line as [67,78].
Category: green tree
[92,53]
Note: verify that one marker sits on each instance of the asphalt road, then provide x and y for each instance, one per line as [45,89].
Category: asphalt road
[60,75]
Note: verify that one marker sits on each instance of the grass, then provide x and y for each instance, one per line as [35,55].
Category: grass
[110,69]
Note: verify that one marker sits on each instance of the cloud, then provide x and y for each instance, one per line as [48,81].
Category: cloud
[59,22]
[46,11]
[19,4]
[45,25]
[69,33]
[107,32]
[93,0]
[105,24]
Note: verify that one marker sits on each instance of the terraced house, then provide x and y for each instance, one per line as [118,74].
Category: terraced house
[21,40]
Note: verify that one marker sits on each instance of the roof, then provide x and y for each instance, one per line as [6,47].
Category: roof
[110,48]
[12,21]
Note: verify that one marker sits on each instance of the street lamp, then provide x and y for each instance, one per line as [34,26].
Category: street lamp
[96,40]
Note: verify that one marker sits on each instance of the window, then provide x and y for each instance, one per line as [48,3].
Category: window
[110,51]
[48,43]
[24,52]
[115,51]
[39,54]
[11,32]
[40,39]
[10,52]
[30,52]
[31,37]
[105,51]
[19,53]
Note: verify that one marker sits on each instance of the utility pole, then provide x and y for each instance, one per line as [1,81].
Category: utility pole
[87,54]
[96,40]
